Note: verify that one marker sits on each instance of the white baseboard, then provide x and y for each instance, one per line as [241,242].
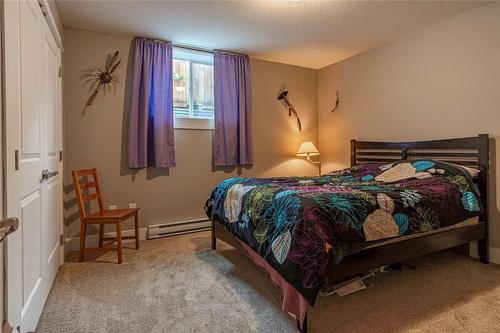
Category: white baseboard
[73,243]
[494,253]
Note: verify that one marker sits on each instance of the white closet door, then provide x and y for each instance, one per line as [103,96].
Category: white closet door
[32,145]
[52,187]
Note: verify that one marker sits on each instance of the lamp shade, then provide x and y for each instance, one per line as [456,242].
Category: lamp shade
[307,148]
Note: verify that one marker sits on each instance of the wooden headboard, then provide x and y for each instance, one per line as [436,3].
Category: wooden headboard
[473,151]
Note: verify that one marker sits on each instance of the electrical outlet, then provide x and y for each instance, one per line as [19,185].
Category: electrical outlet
[132,205]
[113,207]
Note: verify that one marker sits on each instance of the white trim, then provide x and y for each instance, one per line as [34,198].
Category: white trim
[52,24]
[494,253]
[194,123]
[3,252]
[73,243]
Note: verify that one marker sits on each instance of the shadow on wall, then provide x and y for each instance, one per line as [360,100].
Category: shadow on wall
[70,205]
[229,169]
[72,214]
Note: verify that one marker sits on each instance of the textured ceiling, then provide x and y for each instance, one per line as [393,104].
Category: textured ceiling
[304,33]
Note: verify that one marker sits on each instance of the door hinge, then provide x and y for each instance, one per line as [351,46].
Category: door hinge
[61,239]
[60,71]
[60,155]
[16,159]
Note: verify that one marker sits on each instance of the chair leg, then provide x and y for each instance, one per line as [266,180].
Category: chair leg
[119,242]
[136,221]
[101,233]
[83,230]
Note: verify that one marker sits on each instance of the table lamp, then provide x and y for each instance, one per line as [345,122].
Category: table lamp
[308,149]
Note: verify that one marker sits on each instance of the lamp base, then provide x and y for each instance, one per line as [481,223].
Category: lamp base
[308,159]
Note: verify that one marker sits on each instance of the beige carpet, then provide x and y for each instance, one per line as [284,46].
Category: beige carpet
[178,285]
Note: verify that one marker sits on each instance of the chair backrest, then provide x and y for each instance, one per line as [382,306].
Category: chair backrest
[82,188]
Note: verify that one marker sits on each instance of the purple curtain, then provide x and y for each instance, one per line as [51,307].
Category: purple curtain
[233,110]
[151,123]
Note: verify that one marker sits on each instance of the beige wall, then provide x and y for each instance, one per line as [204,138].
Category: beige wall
[441,82]
[96,138]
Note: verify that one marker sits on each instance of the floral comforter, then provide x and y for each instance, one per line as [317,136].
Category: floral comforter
[301,225]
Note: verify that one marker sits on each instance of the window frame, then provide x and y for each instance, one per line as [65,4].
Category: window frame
[192,122]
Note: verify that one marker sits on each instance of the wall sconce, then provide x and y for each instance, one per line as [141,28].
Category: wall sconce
[308,149]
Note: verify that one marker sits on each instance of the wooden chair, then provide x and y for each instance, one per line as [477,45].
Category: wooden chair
[101,217]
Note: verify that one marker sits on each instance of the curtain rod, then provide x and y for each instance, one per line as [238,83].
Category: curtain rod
[193,48]
[196,48]
[204,50]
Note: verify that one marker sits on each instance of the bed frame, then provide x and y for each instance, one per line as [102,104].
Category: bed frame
[472,151]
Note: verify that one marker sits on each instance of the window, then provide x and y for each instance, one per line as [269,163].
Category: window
[193,89]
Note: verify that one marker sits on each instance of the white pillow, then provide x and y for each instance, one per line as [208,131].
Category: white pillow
[472,171]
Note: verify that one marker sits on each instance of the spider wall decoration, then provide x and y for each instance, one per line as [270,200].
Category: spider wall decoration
[289,106]
[103,78]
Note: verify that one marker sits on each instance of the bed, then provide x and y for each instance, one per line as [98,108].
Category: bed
[397,201]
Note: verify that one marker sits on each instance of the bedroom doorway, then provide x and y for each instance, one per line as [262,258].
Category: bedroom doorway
[33,125]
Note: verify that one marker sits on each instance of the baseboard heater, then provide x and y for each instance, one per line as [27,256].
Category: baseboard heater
[178,228]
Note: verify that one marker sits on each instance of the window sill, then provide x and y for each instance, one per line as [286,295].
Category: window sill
[193,123]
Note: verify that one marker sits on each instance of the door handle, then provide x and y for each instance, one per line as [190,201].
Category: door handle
[46,174]
[53,173]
